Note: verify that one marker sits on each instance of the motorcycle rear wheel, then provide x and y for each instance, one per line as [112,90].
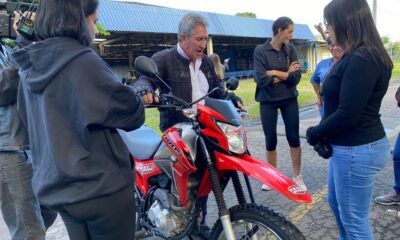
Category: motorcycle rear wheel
[252,221]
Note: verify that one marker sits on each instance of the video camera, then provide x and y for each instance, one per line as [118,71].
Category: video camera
[24,25]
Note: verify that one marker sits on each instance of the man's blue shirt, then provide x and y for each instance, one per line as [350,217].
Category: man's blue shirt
[321,70]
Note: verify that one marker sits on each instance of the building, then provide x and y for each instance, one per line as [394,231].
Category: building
[139,29]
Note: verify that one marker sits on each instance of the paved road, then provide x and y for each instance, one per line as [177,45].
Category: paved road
[314,220]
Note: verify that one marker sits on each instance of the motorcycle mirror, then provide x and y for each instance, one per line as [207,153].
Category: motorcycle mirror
[145,66]
[232,83]
[148,68]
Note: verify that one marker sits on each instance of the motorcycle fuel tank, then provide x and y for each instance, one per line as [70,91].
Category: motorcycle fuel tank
[164,157]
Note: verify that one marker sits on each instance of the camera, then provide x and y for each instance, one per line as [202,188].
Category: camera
[321,145]
[24,25]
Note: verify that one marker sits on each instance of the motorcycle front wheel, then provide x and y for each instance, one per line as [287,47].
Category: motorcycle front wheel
[256,222]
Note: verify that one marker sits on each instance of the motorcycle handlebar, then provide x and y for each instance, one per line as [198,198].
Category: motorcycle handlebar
[166,103]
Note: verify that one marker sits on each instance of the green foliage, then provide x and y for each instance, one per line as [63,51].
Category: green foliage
[393,48]
[152,119]
[246,14]
[385,40]
[102,30]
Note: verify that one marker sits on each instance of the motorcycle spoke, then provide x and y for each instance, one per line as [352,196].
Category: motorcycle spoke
[245,230]
[250,232]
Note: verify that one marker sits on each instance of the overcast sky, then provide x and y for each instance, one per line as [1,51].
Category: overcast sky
[308,12]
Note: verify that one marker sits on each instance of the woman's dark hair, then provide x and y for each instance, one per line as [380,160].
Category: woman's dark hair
[281,23]
[354,28]
[89,7]
[61,18]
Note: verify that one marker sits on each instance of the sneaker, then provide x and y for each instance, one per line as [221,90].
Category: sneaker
[265,187]
[204,231]
[299,181]
[388,199]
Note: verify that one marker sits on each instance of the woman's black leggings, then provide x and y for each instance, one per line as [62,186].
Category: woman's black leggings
[290,115]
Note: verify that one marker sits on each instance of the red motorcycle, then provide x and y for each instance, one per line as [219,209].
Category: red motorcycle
[189,160]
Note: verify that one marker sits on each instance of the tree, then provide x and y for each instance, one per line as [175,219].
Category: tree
[102,30]
[393,48]
[246,14]
[385,40]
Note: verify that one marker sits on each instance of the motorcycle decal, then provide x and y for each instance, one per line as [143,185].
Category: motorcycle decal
[182,167]
[171,146]
[296,189]
[145,170]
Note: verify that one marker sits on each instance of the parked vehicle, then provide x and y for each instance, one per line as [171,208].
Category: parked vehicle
[191,159]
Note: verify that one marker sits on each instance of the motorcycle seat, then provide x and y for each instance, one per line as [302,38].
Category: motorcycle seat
[142,143]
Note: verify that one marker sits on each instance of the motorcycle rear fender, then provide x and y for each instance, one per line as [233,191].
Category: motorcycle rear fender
[262,172]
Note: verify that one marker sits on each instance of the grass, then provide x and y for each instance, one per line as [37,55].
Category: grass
[247,89]
[246,92]
[396,69]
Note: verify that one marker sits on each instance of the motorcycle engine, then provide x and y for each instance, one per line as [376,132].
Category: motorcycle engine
[164,215]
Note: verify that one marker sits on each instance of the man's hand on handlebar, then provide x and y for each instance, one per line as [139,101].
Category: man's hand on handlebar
[146,94]
[239,105]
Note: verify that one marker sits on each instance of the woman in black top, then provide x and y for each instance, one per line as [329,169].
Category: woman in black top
[277,74]
[72,104]
[352,94]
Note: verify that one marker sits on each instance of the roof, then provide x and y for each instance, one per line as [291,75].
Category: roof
[133,17]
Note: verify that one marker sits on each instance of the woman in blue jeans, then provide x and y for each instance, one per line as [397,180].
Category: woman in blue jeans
[352,93]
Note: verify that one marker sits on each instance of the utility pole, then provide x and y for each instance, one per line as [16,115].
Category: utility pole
[374,10]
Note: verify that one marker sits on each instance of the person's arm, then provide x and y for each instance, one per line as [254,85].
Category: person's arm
[226,64]
[102,99]
[260,67]
[359,78]
[9,81]
[293,75]
[290,75]
[316,84]
[145,86]
[21,41]
[317,90]
[9,78]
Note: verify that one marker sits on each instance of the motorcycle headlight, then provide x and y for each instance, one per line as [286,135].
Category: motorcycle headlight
[235,136]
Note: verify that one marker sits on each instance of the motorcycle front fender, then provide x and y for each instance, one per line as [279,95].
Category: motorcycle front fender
[264,173]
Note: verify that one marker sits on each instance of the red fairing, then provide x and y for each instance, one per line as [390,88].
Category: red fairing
[206,116]
[182,167]
[264,173]
[145,170]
